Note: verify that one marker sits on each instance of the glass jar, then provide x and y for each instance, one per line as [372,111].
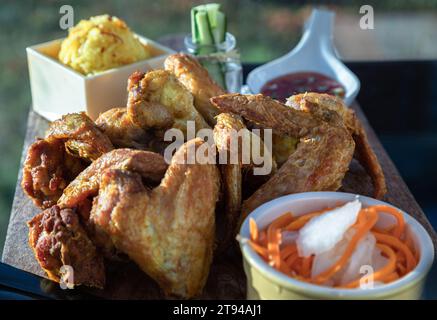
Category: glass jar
[222,61]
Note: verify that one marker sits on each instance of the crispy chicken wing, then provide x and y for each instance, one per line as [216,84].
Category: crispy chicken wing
[158,100]
[51,163]
[363,151]
[58,239]
[167,231]
[122,132]
[144,103]
[321,159]
[81,136]
[231,174]
[151,166]
[47,171]
[197,80]
[233,142]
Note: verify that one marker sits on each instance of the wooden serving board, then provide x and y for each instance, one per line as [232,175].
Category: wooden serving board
[226,279]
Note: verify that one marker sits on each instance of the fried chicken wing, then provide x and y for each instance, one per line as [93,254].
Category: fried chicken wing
[47,171]
[81,136]
[123,133]
[145,109]
[233,141]
[363,150]
[51,163]
[167,231]
[322,156]
[197,80]
[231,174]
[158,100]
[151,166]
[58,239]
[368,159]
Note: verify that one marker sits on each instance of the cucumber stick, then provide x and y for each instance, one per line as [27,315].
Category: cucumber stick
[208,16]
[219,31]
[204,32]
[194,32]
[208,28]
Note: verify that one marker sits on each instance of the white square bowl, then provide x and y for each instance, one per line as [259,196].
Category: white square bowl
[57,89]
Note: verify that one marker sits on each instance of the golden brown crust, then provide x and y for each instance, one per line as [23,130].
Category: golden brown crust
[319,164]
[51,163]
[145,107]
[231,177]
[47,170]
[123,133]
[267,112]
[363,151]
[57,240]
[321,159]
[367,158]
[169,231]
[81,136]
[197,80]
[323,102]
[149,165]
[233,140]
[157,97]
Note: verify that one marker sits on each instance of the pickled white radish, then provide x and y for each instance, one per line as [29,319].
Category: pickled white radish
[362,256]
[323,232]
[325,260]
[378,260]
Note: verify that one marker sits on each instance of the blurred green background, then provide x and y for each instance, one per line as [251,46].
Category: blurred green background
[264,30]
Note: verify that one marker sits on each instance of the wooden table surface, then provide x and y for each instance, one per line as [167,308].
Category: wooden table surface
[227,280]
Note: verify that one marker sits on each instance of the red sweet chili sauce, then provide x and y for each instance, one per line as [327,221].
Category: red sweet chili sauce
[300,82]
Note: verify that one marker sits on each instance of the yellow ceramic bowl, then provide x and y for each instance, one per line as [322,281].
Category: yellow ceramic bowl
[265,282]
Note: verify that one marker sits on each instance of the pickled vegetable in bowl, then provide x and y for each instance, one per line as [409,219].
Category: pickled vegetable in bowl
[331,247]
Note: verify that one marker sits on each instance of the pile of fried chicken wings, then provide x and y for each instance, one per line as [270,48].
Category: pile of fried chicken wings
[108,193]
